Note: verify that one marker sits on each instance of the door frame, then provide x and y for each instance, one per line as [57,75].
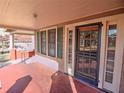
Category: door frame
[67,28]
[84,78]
[69,73]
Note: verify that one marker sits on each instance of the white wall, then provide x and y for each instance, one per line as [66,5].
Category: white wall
[119,48]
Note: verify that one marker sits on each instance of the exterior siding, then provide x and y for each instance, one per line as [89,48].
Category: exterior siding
[119,72]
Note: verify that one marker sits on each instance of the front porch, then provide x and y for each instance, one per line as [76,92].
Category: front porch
[74,46]
[35,77]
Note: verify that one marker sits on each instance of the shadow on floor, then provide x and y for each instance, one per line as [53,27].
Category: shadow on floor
[20,85]
[60,83]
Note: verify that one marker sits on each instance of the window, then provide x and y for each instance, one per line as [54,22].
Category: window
[52,42]
[43,42]
[59,41]
[38,41]
[88,41]
[111,45]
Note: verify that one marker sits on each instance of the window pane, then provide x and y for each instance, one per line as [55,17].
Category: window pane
[43,50]
[86,64]
[94,44]
[87,45]
[112,30]
[43,42]
[93,67]
[81,41]
[112,36]
[94,35]
[87,35]
[111,42]
[38,42]
[51,37]
[110,66]
[51,42]
[70,49]
[59,41]
[110,55]
[109,77]
[51,52]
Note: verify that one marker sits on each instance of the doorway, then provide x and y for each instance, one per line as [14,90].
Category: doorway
[88,52]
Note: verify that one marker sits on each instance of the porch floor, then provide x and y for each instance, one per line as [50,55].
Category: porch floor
[38,78]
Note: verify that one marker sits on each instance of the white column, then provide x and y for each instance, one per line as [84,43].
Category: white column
[47,42]
[56,43]
[11,45]
[33,42]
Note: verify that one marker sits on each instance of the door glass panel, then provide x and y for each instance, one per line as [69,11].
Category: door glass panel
[80,64]
[112,30]
[86,67]
[110,58]
[83,65]
[94,35]
[94,44]
[87,45]
[112,42]
[110,55]
[93,67]
[109,77]
[109,66]
[87,35]
[94,47]
[70,49]
[86,41]
[81,41]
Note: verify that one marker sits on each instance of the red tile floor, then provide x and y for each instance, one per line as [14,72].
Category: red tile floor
[37,78]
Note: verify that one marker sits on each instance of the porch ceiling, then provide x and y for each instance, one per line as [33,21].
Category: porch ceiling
[20,13]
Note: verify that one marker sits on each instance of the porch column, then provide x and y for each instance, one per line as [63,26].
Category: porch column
[13,55]
[33,42]
[11,45]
